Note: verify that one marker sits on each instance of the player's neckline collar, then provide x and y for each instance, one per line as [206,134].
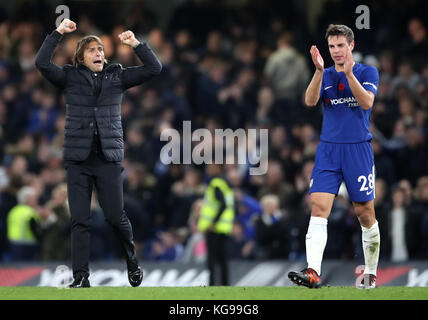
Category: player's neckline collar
[353,68]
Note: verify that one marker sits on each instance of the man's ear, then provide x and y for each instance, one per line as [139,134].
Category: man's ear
[352,45]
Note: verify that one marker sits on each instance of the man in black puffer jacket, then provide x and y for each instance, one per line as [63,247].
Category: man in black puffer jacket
[93,144]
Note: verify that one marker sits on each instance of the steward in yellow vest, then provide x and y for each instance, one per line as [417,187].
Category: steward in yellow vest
[22,226]
[218,209]
[216,222]
[19,229]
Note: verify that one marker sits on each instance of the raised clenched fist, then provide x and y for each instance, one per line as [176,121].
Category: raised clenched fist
[66,26]
[128,38]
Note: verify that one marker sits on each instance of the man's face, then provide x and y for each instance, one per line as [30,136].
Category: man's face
[338,46]
[93,56]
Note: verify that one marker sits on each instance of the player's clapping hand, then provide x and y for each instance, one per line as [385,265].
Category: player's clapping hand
[128,38]
[66,26]
[317,58]
[349,62]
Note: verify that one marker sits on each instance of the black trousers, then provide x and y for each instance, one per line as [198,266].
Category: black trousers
[217,255]
[105,176]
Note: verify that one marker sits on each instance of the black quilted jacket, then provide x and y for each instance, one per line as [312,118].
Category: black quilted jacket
[93,100]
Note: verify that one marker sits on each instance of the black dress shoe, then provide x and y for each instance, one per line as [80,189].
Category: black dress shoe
[135,276]
[80,283]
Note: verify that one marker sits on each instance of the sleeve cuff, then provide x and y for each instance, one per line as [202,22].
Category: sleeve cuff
[56,35]
[139,46]
[370,87]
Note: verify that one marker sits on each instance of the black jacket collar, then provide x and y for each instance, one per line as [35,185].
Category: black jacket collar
[83,67]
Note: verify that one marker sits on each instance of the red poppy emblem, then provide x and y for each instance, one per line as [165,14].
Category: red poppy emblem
[341,86]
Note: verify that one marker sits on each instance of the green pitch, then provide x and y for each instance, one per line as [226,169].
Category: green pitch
[213,293]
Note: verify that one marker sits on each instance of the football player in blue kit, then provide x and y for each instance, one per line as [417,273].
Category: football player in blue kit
[347,91]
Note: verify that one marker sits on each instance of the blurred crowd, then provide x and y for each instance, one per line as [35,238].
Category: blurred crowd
[248,67]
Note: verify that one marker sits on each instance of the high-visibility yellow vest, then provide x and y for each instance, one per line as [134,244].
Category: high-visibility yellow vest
[18,224]
[211,206]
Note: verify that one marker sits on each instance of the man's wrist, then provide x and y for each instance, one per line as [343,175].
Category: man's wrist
[349,74]
[60,30]
[135,44]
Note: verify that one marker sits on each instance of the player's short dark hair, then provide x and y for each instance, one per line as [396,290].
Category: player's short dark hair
[81,46]
[340,30]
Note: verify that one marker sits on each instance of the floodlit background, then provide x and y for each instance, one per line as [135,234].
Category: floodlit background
[226,64]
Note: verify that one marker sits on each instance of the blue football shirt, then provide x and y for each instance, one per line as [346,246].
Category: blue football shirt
[344,121]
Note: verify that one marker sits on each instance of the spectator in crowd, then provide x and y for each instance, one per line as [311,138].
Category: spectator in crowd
[421,197]
[279,147]
[276,184]
[55,227]
[416,48]
[138,148]
[165,247]
[183,194]
[248,210]
[288,74]
[265,109]
[208,87]
[42,120]
[22,224]
[386,66]
[8,200]
[240,247]
[398,219]
[385,167]
[416,158]
[237,100]
[272,233]
[406,76]
[195,248]
[401,219]
[141,187]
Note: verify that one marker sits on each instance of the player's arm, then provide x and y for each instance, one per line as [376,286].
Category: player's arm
[44,63]
[132,76]
[364,97]
[312,93]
